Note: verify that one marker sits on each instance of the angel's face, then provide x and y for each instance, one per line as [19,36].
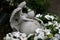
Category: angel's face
[31,14]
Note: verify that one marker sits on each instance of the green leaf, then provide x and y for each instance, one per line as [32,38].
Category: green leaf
[31,38]
[40,6]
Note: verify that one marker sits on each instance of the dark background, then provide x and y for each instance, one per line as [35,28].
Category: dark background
[5,12]
[55,7]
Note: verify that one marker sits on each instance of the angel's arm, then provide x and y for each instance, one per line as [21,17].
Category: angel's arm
[39,20]
[26,19]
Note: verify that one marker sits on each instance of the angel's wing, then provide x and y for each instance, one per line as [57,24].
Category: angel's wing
[14,19]
[14,13]
[15,16]
[19,8]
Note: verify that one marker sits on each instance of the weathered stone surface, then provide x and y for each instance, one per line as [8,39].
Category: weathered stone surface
[24,22]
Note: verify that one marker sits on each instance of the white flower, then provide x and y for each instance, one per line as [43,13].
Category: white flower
[23,36]
[17,34]
[40,35]
[52,17]
[57,26]
[38,30]
[54,38]
[47,31]
[59,31]
[9,37]
[35,38]
[38,15]
[29,10]
[50,23]
[55,23]
[48,17]
[57,36]
[46,24]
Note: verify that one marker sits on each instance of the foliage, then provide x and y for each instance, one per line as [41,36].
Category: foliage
[40,6]
[31,37]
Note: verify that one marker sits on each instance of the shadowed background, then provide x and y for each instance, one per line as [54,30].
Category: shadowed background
[55,7]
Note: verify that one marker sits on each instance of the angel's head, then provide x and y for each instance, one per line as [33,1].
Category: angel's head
[31,14]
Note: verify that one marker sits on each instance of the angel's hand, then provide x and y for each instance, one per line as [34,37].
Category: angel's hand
[27,19]
[39,20]
[21,5]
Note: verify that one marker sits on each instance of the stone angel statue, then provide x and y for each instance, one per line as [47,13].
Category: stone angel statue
[24,22]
